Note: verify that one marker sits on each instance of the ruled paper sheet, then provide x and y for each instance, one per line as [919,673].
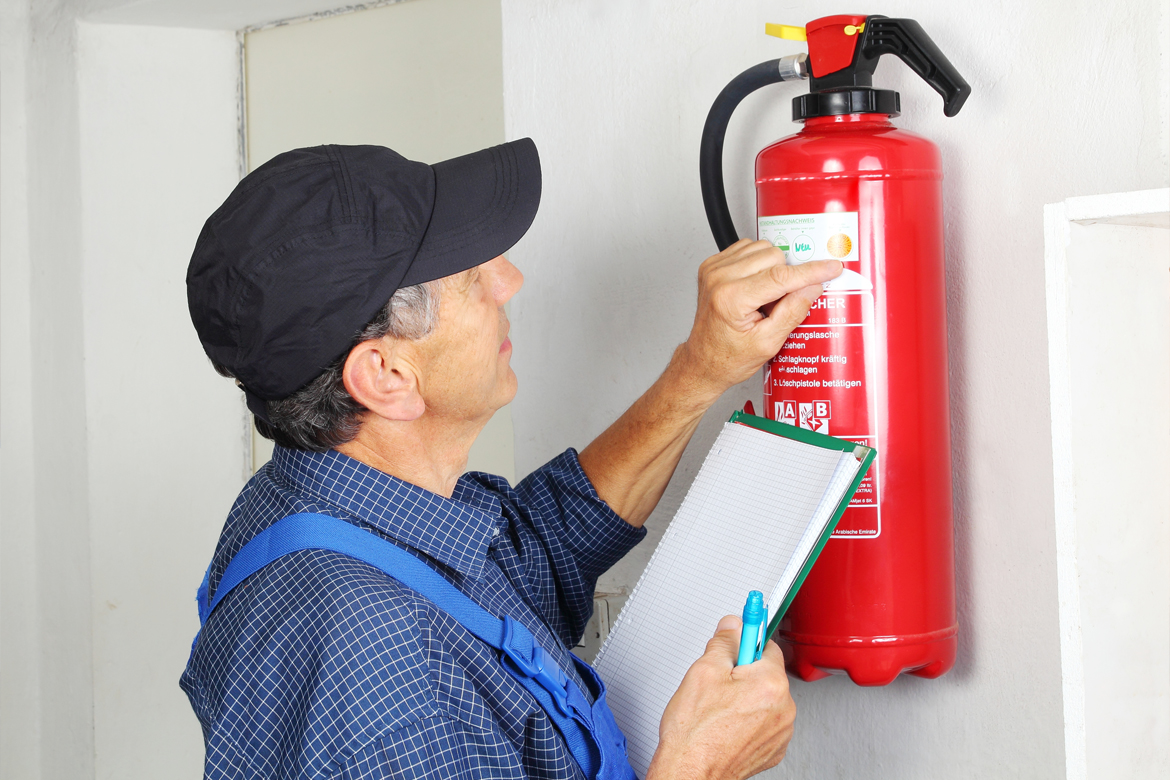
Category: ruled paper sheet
[748,522]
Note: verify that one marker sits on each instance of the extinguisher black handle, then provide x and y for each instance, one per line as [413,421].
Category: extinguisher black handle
[906,39]
[714,132]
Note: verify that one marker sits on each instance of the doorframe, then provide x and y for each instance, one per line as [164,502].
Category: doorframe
[1147,208]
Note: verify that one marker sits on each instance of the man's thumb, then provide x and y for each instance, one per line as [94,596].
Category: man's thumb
[729,623]
[725,643]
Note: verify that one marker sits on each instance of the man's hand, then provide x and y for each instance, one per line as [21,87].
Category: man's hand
[726,721]
[749,301]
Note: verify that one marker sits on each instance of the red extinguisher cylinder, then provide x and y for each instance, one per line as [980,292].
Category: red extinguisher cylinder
[869,363]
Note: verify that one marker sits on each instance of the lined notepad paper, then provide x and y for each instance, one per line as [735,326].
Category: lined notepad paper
[749,522]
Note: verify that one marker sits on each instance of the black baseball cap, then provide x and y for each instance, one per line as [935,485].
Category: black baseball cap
[313,243]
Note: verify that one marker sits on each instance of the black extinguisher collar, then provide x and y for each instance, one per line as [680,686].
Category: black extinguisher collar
[859,100]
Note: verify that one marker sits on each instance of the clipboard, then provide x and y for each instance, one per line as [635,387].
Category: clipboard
[863,453]
[761,509]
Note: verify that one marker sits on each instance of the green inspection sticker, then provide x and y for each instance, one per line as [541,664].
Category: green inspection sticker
[805,237]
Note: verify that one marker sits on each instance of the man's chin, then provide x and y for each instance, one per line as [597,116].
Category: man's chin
[510,392]
[507,387]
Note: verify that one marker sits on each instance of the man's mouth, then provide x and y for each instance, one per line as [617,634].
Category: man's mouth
[506,344]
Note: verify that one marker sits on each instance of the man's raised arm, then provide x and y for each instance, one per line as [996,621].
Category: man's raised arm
[749,301]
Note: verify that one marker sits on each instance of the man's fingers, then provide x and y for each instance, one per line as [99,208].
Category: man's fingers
[746,258]
[775,281]
[773,653]
[787,278]
[736,252]
[789,312]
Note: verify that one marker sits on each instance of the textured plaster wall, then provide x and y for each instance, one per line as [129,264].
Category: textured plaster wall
[47,700]
[158,154]
[19,639]
[1069,99]
[115,142]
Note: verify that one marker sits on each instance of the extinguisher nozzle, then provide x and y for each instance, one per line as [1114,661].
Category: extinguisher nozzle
[794,67]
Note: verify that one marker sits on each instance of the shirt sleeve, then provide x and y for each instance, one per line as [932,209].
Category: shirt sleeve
[568,531]
[430,749]
[562,498]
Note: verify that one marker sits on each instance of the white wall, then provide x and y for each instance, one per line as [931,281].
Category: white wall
[421,76]
[217,14]
[119,454]
[158,155]
[19,626]
[47,699]
[1068,99]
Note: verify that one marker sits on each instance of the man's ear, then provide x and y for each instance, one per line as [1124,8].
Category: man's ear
[381,378]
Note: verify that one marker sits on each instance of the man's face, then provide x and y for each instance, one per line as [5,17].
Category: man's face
[464,364]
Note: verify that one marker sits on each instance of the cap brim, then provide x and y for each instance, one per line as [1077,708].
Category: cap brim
[484,204]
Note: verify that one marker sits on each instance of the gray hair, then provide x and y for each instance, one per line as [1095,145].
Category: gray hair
[322,414]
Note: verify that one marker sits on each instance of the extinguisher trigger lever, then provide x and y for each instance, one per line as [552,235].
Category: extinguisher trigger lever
[906,39]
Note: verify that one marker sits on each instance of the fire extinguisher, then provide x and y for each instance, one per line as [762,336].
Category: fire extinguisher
[869,362]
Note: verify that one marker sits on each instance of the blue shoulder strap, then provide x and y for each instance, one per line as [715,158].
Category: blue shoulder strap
[524,659]
[308,531]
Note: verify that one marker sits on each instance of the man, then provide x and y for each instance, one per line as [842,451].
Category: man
[357,298]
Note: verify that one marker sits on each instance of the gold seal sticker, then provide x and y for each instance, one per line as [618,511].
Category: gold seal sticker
[839,245]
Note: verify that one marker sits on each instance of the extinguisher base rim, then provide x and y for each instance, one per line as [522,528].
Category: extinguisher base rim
[893,640]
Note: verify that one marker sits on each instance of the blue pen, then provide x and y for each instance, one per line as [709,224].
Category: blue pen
[755,621]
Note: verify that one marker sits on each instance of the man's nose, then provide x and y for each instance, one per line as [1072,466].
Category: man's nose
[506,279]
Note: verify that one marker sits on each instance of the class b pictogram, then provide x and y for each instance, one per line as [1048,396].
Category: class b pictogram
[810,415]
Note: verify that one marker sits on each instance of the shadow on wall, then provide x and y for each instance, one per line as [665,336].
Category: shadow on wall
[958,347]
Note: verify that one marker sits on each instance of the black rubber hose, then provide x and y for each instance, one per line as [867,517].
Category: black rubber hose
[711,146]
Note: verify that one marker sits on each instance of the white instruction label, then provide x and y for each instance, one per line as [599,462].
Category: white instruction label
[807,237]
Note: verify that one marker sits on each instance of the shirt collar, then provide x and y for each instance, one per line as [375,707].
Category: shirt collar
[454,531]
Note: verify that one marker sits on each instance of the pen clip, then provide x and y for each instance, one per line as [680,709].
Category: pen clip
[763,638]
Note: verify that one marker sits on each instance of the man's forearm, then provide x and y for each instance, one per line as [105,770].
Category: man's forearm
[631,463]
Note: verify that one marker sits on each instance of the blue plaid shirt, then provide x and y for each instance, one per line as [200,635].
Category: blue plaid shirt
[320,666]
